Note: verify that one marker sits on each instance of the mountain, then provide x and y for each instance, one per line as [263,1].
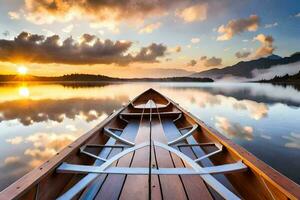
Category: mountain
[96,78]
[274,57]
[244,69]
[284,79]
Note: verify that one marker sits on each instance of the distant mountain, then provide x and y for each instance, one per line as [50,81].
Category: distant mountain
[244,69]
[274,57]
[96,78]
[284,79]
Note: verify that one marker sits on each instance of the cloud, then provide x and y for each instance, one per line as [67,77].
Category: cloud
[266,47]
[234,27]
[297,15]
[242,54]
[203,58]
[71,127]
[150,53]
[68,29]
[234,130]
[35,48]
[211,62]
[193,13]
[149,28]
[195,40]
[15,140]
[294,140]
[175,49]
[11,160]
[110,11]
[192,63]
[13,15]
[48,32]
[271,25]
[6,33]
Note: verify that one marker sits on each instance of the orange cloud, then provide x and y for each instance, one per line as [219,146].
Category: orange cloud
[242,54]
[14,15]
[266,47]
[211,62]
[234,27]
[149,28]
[192,63]
[193,13]
[27,47]
[108,11]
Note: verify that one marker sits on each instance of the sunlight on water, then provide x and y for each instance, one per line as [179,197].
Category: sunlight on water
[23,91]
[37,120]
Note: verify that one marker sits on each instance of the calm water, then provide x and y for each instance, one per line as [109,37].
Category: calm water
[36,120]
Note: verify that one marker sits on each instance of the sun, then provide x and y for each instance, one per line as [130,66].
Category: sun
[22,70]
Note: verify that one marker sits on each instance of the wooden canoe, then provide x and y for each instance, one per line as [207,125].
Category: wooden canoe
[153,149]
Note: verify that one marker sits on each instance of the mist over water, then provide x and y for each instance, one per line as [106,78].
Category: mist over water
[36,121]
[279,70]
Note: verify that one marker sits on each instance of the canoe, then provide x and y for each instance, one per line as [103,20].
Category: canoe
[153,149]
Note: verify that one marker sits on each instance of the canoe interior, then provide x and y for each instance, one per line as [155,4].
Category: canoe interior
[155,120]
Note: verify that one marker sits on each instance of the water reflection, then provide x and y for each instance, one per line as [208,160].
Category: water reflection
[234,130]
[23,91]
[37,120]
[294,140]
[29,111]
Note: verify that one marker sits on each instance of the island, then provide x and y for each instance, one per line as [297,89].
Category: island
[95,78]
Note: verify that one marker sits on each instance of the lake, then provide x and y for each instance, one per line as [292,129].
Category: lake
[37,120]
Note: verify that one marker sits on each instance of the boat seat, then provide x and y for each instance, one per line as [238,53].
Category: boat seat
[84,169]
[153,113]
[149,105]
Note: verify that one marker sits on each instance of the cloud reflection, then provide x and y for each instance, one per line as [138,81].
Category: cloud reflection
[28,111]
[205,99]
[257,110]
[294,140]
[11,160]
[43,146]
[234,130]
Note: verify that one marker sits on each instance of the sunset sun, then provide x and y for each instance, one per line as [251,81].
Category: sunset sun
[22,70]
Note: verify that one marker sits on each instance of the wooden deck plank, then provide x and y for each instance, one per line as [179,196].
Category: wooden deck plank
[194,185]
[171,185]
[155,182]
[128,133]
[137,186]
[113,184]
[197,152]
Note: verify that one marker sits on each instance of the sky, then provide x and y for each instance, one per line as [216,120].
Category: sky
[152,38]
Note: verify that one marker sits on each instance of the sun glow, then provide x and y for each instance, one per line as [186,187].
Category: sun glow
[22,70]
[23,91]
